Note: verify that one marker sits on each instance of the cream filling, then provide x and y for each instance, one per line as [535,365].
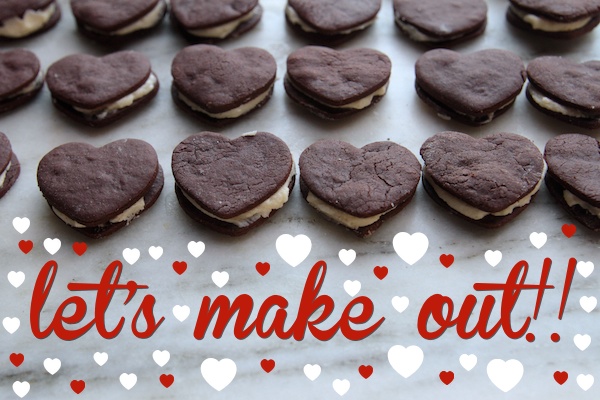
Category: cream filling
[35,84]
[473,212]
[222,31]
[488,117]
[358,104]
[145,89]
[295,19]
[415,34]
[263,210]
[147,21]
[573,200]
[32,20]
[234,112]
[553,106]
[3,175]
[126,216]
[547,25]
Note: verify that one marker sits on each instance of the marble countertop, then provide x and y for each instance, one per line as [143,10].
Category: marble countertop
[37,128]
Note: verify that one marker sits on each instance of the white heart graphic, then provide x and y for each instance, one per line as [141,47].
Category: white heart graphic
[585,268]
[11,324]
[505,374]
[155,252]
[16,278]
[181,312]
[352,287]
[21,224]
[131,255]
[585,381]
[347,256]
[468,361]
[128,380]
[582,341]
[161,357]
[493,257]
[196,248]
[220,278]
[21,388]
[100,358]
[293,249]
[405,360]
[52,365]
[400,303]
[538,239]
[312,371]
[218,373]
[410,248]
[52,245]
[588,303]
[341,386]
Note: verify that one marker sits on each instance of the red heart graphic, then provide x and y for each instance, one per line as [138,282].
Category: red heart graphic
[167,380]
[26,246]
[380,272]
[365,370]
[569,230]
[561,377]
[446,377]
[17,359]
[447,260]
[79,248]
[267,365]
[263,268]
[179,266]
[77,386]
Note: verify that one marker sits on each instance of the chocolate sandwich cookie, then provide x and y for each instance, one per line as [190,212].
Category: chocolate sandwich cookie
[210,21]
[232,186]
[217,85]
[115,19]
[21,78]
[97,191]
[560,19]
[573,176]
[565,89]
[100,90]
[22,18]
[471,88]
[336,83]
[358,188]
[440,22]
[9,165]
[331,22]
[488,181]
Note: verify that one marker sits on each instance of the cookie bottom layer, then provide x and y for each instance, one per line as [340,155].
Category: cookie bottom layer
[517,22]
[17,101]
[588,123]
[321,38]
[578,212]
[427,38]
[11,175]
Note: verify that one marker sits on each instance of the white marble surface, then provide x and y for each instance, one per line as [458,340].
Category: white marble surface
[400,116]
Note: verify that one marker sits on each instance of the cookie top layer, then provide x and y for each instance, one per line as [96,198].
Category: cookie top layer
[111,15]
[197,14]
[16,8]
[18,68]
[333,16]
[560,10]
[5,151]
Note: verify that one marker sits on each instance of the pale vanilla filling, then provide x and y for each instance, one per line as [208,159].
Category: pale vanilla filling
[32,20]
[126,216]
[234,112]
[547,25]
[147,21]
[263,210]
[126,101]
[553,106]
[222,31]
[3,175]
[357,104]
[415,34]
[295,19]
[35,84]
[573,200]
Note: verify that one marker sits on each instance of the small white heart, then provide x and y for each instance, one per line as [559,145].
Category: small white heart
[585,268]
[161,357]
[131,255]
[312,371]
[100,358]
[352,287]
[585,381]
[293,249]
[400,303]
[468,361]
[582,341]
[128,380]
[341,386]
[21,224]
[347,256]
[181,312]
[52,245]
[16,278]
[11,324]
[538,239]
[52,365]
[218,373]
[196,248]
[493,257]
[220,278]
[21,388]
[588,303]
[155,252]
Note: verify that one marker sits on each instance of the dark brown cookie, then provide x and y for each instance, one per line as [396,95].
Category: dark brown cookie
[100,90]
[358,188]
[565,89]
[573,176]
[440,22]
[336,83]
[488,181]
[9,165]
[331,22]
[21,78]
[209,21]
[97,191]
[560,19]
[219,85]
[23,18]
[232,186]
[471,88]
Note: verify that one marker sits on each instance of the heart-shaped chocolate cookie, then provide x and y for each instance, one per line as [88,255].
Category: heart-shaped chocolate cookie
[23,18]
[470,88]
[358,188]
[336,83]
[218,85]
[99,190]
[489,180]
[232,185]
[573,176]
[9,165]
[20,78]
[566,89]
[100,90]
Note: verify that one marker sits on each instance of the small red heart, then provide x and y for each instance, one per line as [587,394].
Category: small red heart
[26,246]
[561,377]
[79,248]
[77,386]
[447,260]
[380,272]
[365,371]
[263,268]
[179,266]
[446,377]
[17,359]
[267,365]
[167,380]
[569,230]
